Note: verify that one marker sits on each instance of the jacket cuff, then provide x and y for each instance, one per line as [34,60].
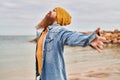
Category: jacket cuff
[91,37]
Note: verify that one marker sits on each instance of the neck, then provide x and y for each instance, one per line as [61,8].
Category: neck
[55,22]
[44,24]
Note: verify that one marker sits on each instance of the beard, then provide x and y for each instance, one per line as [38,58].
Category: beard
[47,21]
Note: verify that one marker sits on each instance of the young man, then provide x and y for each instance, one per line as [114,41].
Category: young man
[51,40]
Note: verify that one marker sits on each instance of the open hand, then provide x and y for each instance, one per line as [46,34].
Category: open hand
[98,42]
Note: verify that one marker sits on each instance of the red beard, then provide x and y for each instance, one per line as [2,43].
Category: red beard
[48,20]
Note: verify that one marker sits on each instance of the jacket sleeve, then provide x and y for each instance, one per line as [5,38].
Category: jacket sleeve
[71,38]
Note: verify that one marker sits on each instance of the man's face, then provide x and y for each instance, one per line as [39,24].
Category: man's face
[52,15]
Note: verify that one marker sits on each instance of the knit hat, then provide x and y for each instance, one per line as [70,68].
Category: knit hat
[63,17]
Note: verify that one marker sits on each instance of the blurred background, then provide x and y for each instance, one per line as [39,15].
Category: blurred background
[18,19]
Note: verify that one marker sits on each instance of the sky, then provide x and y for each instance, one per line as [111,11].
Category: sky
[19,17]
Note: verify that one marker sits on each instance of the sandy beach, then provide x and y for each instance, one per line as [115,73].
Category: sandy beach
[106,73]
[94,65]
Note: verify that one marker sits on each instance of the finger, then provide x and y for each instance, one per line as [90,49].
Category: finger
[98,31]
[103,39]
[101,43]
[98,49]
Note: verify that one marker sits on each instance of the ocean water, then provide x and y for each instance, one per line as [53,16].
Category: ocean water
[17,60]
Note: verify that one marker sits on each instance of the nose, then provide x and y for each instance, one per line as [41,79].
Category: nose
[49,12]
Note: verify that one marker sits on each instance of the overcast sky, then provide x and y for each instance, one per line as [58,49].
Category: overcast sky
[18,17]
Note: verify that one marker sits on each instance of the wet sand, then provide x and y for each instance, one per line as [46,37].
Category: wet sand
[93,65]
[108,73]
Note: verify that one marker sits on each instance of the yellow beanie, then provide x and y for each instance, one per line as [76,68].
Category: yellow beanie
[63,17]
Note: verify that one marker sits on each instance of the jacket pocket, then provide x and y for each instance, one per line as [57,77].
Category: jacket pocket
[49,44]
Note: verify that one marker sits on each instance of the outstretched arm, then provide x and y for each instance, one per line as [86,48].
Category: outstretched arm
[71,38]
[78,39]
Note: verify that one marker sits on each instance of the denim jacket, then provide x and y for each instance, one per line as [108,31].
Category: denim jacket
[53,67]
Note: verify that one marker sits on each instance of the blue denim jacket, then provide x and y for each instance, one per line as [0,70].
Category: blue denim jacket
[53,48]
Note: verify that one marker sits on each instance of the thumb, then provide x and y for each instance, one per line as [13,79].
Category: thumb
[98,31]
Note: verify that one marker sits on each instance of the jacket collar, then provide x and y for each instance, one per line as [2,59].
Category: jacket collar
[39,31]
[53,26]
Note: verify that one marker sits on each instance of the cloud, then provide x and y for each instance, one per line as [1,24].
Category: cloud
[8,4]
[84,12]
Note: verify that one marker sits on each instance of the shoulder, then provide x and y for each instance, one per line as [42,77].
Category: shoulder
[56,28]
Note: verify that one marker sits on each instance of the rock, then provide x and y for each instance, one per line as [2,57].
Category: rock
[111,36]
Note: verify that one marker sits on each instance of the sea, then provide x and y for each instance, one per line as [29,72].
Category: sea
[17,60]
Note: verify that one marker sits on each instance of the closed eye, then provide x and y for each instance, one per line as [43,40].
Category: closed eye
[54,10]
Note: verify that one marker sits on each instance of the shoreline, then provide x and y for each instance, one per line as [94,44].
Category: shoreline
[100,73]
